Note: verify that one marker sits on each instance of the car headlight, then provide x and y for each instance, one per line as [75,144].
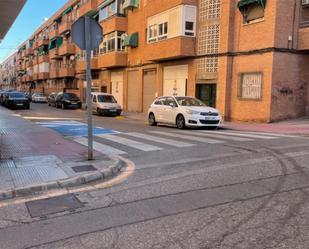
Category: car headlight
[192,112]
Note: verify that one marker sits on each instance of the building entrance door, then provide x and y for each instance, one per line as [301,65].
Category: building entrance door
[207,93]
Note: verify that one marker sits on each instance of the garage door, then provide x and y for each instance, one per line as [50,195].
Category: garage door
[175,80]
[117,86]
[149,88]
[132,90]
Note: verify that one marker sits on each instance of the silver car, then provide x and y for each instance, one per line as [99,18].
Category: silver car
[105,104]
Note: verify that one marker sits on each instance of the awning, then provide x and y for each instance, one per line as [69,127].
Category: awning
[130,4]
[95,15]
[243,4]
[68,10]
[106,3]
[56,42]
[131,40]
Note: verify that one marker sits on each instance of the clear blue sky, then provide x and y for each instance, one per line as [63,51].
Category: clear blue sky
[30,18]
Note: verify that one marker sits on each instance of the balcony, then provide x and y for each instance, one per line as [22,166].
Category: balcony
[35,76]
[43,58]
[42,42]
[66,72]
[81,65]
[54,53]
[112,59]
[159,6]
[116,23]
[303,38]
[173,48]
[29,63]
[35,61]
[24,78]
[43,76]
[65,26]
[29,51]
[54,73]
[53,33]
[29,78]
[87,6]
[66,49]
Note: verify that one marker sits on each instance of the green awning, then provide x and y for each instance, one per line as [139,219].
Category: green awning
[130,4]
[95,15]
[68,10]
[243,4]
[131,40]
[56,42]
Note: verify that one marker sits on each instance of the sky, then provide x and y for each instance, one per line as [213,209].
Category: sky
[30,18]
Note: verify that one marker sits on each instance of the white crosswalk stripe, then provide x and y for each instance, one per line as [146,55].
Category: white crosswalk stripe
[199,133]
[240,134]
[187,137]
[170,142]
[130,143]
[270,134]
[102,148]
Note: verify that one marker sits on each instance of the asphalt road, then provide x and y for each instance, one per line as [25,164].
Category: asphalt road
[196,189]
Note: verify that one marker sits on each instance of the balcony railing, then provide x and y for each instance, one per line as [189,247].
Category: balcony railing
[43,76]
[67,49]
[112,59]
[87,6]
[43,58]
[81,64]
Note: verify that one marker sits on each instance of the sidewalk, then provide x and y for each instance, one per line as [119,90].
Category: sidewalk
[35,159]
[298,126]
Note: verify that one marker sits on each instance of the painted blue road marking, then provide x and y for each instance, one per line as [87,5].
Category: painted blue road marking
[74,129]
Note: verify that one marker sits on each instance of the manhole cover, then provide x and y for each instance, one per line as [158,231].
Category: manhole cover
[53,205]
[83,168]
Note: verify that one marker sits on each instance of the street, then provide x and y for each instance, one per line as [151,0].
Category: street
[190,189]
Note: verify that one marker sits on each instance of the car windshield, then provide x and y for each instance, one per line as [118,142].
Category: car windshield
[70,96]
[39,95]
[106,99]
[17,95]
[187,101]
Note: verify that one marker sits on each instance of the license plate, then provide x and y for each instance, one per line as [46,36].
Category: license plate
[73,103]
[19,104]
[210,118]
[112,110]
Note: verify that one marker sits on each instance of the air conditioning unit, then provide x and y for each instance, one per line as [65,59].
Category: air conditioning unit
[305,2]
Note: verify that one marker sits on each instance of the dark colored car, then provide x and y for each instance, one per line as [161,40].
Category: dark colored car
[16,100]
[2,97]
[68,100]
[51,99]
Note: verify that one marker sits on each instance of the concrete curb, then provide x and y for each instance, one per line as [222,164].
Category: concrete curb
[74,181]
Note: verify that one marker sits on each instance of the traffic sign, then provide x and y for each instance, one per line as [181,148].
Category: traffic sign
[79,33]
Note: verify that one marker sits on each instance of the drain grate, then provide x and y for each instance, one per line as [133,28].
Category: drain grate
[84,168]
[53,205]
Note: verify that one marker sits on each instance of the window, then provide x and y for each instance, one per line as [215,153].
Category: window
[160,101]
[112,42]
[189,28]
[252,13]
[251,86]
[168,101]
[111,9]
[162,32]
[152,31]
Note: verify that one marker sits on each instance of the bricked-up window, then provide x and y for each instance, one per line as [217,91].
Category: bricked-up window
[250,86]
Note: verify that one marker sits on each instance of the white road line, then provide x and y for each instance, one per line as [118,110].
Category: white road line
[240,134]
[102,148]
[199,133]
[130,143]
[192,138]
[170,142]
[271,134]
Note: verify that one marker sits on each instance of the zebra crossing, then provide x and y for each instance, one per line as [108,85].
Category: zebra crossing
[155,141]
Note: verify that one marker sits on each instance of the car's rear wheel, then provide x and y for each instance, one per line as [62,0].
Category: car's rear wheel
[180,122]
[152,119]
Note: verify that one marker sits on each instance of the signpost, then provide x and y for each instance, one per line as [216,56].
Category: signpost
[87,35]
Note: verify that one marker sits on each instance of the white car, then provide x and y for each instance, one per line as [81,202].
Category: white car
[38,98]
[105,104]
[183,111]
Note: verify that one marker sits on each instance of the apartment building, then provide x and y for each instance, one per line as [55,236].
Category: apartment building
[248,58]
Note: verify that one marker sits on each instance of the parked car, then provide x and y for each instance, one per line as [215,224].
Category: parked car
[16,100]
[105,104]
[28,95]
[183,111]
[51,99]
[68,100]
[38,98]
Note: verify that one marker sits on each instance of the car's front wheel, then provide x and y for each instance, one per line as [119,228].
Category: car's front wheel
[180,121]
[152,119]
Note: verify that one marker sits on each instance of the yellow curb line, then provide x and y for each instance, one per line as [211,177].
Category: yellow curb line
[117,180]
